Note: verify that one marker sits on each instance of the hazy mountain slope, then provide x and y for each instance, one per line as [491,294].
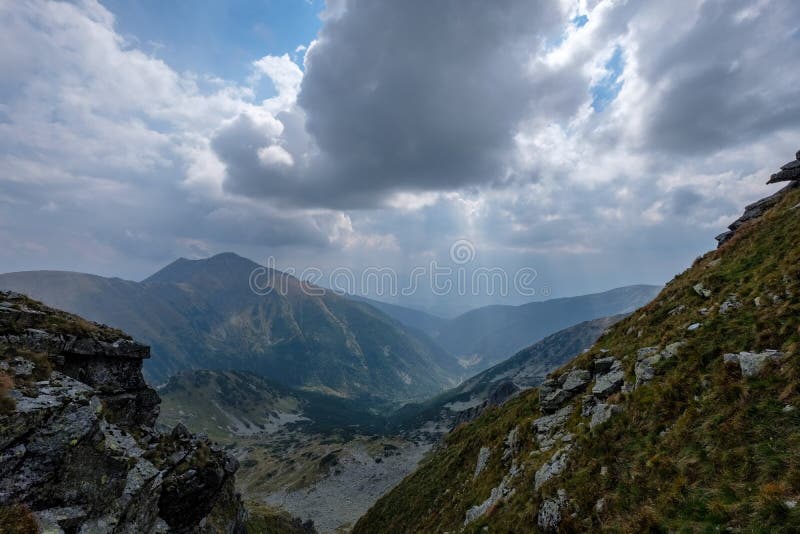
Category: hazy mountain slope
[430,324]
[526,369]
[678,419]
[203,314]
[493,333]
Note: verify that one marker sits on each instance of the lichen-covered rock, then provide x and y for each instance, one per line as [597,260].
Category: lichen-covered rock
[549,516]
[79,448]
[552,468]
[701,290]
[483,457]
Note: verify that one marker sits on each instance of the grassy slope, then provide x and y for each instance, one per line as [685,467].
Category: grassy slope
[698,448]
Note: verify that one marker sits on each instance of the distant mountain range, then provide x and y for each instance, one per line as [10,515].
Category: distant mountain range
[489,335]
[202,314]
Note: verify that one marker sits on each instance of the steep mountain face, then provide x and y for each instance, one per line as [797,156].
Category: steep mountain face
[526,369]
[489,335]
[78,447]
[203,314]
[682,417]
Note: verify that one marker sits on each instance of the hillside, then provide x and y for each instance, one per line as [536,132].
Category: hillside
[683,417]
[203,314]
[488,335]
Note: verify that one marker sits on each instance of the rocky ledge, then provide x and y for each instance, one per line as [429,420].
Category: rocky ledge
[78,447]
[790,172]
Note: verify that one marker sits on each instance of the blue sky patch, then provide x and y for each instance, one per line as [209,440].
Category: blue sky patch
[580,21]
[223,38]
[607,89]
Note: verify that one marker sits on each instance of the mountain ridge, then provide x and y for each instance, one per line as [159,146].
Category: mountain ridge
[203,314]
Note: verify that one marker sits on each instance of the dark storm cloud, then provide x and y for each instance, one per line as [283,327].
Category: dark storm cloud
[725,78]
[410,95]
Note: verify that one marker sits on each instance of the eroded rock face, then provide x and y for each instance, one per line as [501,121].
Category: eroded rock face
[79,448]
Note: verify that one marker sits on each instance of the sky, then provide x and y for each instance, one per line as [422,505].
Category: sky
[595,143]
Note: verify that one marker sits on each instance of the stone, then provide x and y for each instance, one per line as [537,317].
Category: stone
[603,365]
[701,290]
[552,468]
[645,351]
[609,382]
[549,428]
[22,367]
[549,516]
[483,458]
[602,413]
[671,350]
[677,310]
[645,370]
[576,380]
[692,327]
[511,444]
[730,304]
[752,363]
[600,505]
[497,493]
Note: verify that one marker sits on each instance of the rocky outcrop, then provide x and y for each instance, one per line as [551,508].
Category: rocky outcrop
[77,442]
[789,172]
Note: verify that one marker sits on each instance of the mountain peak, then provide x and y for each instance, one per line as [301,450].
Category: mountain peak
[183,269]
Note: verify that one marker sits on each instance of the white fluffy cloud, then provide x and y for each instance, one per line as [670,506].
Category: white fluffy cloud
[443,121]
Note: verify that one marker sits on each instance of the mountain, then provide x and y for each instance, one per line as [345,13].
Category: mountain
[203,314]
[526,369]
[683,417]
[488,335]
[233,404]
[77,438]
[419,320]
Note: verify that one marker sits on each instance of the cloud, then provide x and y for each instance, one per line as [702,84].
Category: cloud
[601,152]
[429,99]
